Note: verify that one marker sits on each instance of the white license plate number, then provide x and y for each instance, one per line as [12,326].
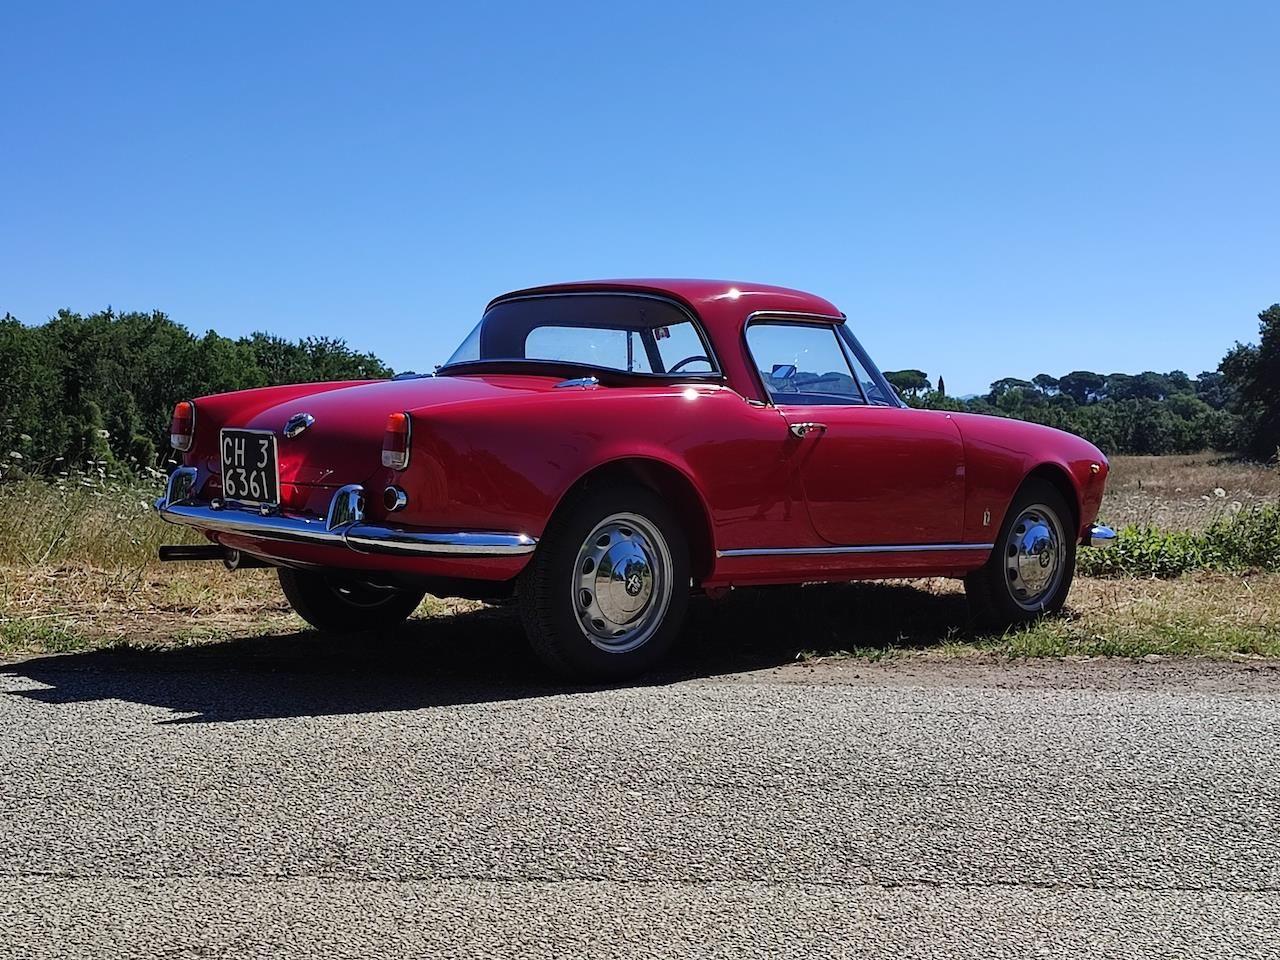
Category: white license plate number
[250,470]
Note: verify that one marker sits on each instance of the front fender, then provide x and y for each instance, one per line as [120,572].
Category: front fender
[1001,454]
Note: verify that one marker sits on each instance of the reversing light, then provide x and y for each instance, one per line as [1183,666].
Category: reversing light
[182,428]
[395,441]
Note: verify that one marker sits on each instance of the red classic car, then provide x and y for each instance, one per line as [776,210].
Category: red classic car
[600,450]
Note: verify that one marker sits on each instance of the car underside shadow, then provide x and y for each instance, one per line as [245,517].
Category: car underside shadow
[479,656]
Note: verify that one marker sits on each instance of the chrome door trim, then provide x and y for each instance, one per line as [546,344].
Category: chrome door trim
[832,551]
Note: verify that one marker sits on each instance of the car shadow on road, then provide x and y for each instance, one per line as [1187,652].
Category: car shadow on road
[480,656]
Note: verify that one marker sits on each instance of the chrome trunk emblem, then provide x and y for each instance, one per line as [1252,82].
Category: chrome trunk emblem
[297,424]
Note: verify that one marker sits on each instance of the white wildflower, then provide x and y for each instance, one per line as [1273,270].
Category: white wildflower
[103,434]
[1219,492]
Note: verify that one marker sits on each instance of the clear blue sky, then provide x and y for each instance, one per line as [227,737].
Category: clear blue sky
[986,189]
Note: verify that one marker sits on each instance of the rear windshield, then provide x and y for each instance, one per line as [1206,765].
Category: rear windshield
[622,332]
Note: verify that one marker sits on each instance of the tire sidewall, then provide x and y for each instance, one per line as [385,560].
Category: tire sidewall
[1007,608]
[558,636]
[314,598]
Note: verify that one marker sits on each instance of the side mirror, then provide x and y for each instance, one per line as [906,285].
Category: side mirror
[782,371]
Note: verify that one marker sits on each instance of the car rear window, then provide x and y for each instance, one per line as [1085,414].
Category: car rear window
[624,332]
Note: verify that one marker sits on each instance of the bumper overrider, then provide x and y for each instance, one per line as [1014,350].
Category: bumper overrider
[1100,536]
[343,526]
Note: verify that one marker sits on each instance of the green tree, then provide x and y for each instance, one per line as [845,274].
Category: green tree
[99,388]
[1253,371]
[908,383]
[1045,384]
[1082,386]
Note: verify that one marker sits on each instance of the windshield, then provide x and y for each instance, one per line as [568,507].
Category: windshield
[629,333]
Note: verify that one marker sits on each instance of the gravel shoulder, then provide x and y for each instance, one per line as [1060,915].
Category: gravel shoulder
[284,797]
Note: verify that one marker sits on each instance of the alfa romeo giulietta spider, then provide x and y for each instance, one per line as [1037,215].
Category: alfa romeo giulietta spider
[601,451]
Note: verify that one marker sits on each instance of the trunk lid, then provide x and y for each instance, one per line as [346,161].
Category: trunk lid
[344,442]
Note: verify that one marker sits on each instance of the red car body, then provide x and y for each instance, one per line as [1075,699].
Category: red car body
[880,491]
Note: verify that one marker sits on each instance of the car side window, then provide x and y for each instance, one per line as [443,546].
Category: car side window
[614,349]
[870,388]
[802,363]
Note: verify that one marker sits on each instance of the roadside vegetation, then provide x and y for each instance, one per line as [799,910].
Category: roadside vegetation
[84,414]
[97,390]
[1236,407]
[1197,572]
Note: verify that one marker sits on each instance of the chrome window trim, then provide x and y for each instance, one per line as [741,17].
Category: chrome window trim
[799,319]
[717,373]
[852,346]
[816,319]
[829,551]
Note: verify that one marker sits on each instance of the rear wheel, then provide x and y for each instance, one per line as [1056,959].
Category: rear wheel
[339,603]
[1032,565]
[605,594]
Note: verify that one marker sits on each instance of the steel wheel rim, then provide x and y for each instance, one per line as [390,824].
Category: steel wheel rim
[622,583]
[1034,557]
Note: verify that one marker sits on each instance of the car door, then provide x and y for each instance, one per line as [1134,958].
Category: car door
[873,474]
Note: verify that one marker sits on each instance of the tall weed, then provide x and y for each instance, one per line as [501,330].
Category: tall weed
[1247,540]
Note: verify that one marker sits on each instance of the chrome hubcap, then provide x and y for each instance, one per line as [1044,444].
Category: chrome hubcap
[622,583]
[1034,557]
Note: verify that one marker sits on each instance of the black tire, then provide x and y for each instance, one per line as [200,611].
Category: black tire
[554,587]
[1000,597]
[342,604]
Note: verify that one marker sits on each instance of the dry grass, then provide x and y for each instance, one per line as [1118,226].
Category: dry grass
[75,605]
[78,569]
[1184,492]
[147,605]
[92,518]
[1203,614]
[1209,614]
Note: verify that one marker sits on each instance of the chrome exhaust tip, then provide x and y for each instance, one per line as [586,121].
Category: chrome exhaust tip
[235,560]
[394,499]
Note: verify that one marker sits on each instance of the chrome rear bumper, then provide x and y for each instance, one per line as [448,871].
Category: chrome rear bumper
[1100,536]
[344,526]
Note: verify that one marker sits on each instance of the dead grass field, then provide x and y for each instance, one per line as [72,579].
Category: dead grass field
[1184,492]
[78,569]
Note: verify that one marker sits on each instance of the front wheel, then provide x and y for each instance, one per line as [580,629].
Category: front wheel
[605,594]
[339,603]
[1032,564]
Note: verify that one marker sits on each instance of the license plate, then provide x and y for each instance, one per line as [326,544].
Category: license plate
[249,467]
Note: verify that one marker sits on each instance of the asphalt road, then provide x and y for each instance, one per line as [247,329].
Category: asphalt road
[276,798]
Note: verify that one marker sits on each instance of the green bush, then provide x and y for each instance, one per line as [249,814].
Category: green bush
[1248,540]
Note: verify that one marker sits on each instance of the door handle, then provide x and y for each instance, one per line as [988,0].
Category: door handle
[804,429]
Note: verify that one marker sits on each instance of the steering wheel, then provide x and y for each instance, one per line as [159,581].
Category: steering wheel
[698,356]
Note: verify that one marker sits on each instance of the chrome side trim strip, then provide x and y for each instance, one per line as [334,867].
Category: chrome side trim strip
[366,538]
[829,551]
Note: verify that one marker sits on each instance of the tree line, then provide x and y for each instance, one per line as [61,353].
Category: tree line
[99,388]
[1234,408]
